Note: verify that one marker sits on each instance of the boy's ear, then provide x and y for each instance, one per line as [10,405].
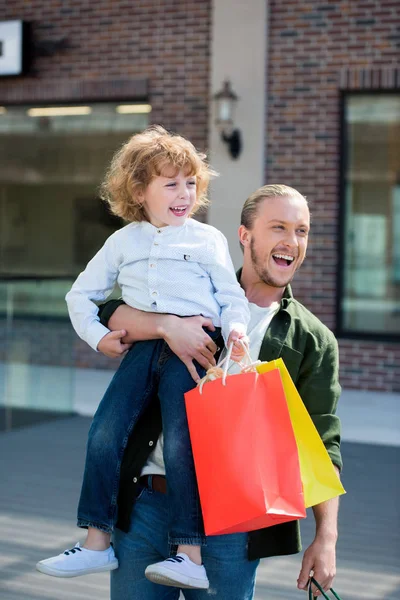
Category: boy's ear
[140,197]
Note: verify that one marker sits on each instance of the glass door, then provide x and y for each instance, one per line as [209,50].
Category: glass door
[52,161]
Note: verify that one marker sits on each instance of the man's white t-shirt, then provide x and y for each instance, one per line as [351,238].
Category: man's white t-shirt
[260,318]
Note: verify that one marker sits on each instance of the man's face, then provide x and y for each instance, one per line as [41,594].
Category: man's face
[277,243]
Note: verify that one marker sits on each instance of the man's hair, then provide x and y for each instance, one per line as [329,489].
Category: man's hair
[250,207]
[146,155]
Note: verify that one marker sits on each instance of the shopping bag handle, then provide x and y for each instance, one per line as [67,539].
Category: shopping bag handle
[245,368]
[251,364]
[317,585]
[218,372]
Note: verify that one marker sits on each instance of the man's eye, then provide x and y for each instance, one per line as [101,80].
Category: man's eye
[279,227]
[170,184]
[191,182]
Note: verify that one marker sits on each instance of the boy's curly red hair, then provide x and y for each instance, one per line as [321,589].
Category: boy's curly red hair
[153,152]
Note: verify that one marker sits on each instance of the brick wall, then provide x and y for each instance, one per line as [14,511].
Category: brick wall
[315,48]
[369,366]
[113,49]
[51,342]
[116,48]
[163,41]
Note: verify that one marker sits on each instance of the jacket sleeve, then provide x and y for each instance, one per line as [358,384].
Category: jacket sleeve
[235,312]
[95,283]
[319,388]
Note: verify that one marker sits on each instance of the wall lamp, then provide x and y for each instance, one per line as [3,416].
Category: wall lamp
[225,102]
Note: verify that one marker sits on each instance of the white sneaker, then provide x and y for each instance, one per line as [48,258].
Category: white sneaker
[178,571]
[79,561]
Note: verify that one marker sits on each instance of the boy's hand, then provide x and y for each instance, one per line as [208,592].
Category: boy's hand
[111,344]
[238,351]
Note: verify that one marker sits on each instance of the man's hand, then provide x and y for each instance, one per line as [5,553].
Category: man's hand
[184,335]
[319,558]
[111,344]
[187,339]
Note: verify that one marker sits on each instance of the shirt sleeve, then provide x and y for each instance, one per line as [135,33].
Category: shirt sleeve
[96,282]
[319,388]
[235,312]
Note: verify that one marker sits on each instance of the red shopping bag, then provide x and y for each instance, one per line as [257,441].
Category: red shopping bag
[245,453]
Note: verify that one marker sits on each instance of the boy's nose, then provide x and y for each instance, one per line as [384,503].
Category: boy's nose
[184,193]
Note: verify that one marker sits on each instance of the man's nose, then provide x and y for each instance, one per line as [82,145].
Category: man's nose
[291,238]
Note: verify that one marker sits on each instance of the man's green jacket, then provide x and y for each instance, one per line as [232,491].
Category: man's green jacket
[309,351]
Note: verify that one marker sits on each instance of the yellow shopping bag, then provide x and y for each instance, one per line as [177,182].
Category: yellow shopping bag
[319,478]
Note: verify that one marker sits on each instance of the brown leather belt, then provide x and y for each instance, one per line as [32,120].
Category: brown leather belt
[158,483]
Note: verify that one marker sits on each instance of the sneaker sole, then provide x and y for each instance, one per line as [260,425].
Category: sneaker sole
[47,570]
[166,577]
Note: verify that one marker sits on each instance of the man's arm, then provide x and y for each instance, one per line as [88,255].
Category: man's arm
[185,336]
[320,556]
[319,389]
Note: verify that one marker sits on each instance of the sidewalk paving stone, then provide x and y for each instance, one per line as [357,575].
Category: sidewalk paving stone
[40,473]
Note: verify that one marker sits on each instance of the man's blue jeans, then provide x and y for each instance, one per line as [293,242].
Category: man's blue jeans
[149,368]
[231,574]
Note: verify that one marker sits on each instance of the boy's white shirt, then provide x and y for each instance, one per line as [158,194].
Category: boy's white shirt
[185,270]
[260,319]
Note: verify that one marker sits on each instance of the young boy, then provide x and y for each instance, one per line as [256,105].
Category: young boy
[164,261]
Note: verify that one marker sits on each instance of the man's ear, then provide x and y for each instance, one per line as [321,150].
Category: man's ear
[244,236]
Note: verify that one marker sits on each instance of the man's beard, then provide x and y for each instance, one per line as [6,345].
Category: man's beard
[262,271]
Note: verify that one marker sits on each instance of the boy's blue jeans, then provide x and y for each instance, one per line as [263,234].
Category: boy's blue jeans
[232,576]
[150,367]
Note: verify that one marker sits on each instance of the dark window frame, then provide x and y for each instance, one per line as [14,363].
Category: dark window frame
[10,277]
[138,99]
[340,331]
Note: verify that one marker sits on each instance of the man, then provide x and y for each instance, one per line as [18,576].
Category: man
[273,233]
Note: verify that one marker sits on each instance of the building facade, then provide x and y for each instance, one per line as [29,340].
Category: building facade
[318,108]
[333,132]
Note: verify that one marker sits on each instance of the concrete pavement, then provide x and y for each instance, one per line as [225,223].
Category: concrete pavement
[40,474]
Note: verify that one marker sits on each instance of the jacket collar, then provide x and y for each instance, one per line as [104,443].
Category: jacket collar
[276,334]
[287,297]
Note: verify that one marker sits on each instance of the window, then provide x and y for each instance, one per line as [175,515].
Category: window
[369,302]
[52,160]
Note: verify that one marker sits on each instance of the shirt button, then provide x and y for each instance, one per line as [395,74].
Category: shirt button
[156,244]
[152,265]
[135,480]
[158,230]
[151,443]
[154,293]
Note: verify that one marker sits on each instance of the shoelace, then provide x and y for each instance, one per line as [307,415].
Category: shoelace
[177,559]
[72,550]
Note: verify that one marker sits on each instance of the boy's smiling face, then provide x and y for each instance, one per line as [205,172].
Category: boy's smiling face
[169,198]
